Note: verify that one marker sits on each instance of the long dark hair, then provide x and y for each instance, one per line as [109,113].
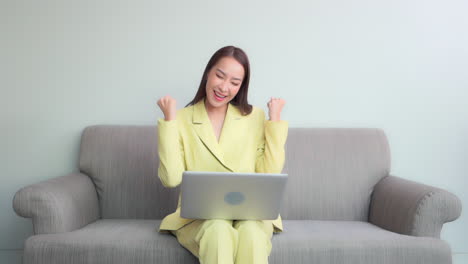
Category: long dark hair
[240,100]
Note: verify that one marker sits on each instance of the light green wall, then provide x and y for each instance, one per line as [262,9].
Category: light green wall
[398,65]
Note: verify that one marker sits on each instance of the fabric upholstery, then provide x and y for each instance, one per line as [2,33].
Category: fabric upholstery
[412,208]
[353,242]
[136,241]
[59,204]
[332,172]
[123,163]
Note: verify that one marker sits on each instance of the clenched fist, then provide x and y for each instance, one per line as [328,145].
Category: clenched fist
[168,107]
[275,105]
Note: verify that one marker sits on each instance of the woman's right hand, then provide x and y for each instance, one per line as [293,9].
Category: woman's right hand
[168,107]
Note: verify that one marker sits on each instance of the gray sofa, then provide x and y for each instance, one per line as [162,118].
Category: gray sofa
[341,204]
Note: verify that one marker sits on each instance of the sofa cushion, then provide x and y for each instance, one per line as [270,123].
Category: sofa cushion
[110,241]
[306,241]
[303,241]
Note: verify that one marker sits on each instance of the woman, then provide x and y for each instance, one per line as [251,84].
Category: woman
[219,131]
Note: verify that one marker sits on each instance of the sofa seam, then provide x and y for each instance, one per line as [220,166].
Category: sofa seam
[420,204]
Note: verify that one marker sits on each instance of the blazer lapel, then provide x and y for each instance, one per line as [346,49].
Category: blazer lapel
[204,129]
[232,132]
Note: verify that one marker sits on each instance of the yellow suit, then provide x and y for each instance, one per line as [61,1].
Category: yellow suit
[246,144]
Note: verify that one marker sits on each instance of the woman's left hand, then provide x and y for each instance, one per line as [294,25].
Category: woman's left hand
[275,106]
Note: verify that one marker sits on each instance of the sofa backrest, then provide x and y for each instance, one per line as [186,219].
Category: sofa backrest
[123,163]
[332,172]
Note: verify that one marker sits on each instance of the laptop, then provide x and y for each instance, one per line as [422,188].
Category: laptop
[231,195]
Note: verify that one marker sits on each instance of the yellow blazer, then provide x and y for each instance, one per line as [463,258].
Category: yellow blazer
[246,144]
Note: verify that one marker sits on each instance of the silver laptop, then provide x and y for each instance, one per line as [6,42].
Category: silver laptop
[232,196]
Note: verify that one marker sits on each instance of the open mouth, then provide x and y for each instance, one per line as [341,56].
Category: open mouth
[218,96]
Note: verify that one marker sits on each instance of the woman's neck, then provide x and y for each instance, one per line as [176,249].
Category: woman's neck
[216,111]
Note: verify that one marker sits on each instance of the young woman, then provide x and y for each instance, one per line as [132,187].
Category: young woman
[219,131]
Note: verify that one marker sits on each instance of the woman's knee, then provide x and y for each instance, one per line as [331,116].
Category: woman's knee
[248,225]
[216,227]
[217,224]
[253,228]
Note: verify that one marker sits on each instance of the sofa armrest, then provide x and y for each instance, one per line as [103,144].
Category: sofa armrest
[412,208]
[60,204]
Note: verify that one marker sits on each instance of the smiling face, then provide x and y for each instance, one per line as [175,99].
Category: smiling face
[223,82]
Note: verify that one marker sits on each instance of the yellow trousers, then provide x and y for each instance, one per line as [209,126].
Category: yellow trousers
[227,241]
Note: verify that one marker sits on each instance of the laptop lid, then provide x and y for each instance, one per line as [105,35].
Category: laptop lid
[232,196]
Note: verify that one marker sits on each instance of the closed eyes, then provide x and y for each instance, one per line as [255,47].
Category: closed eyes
[236,84]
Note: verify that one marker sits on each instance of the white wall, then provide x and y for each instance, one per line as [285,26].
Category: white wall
[399,65]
